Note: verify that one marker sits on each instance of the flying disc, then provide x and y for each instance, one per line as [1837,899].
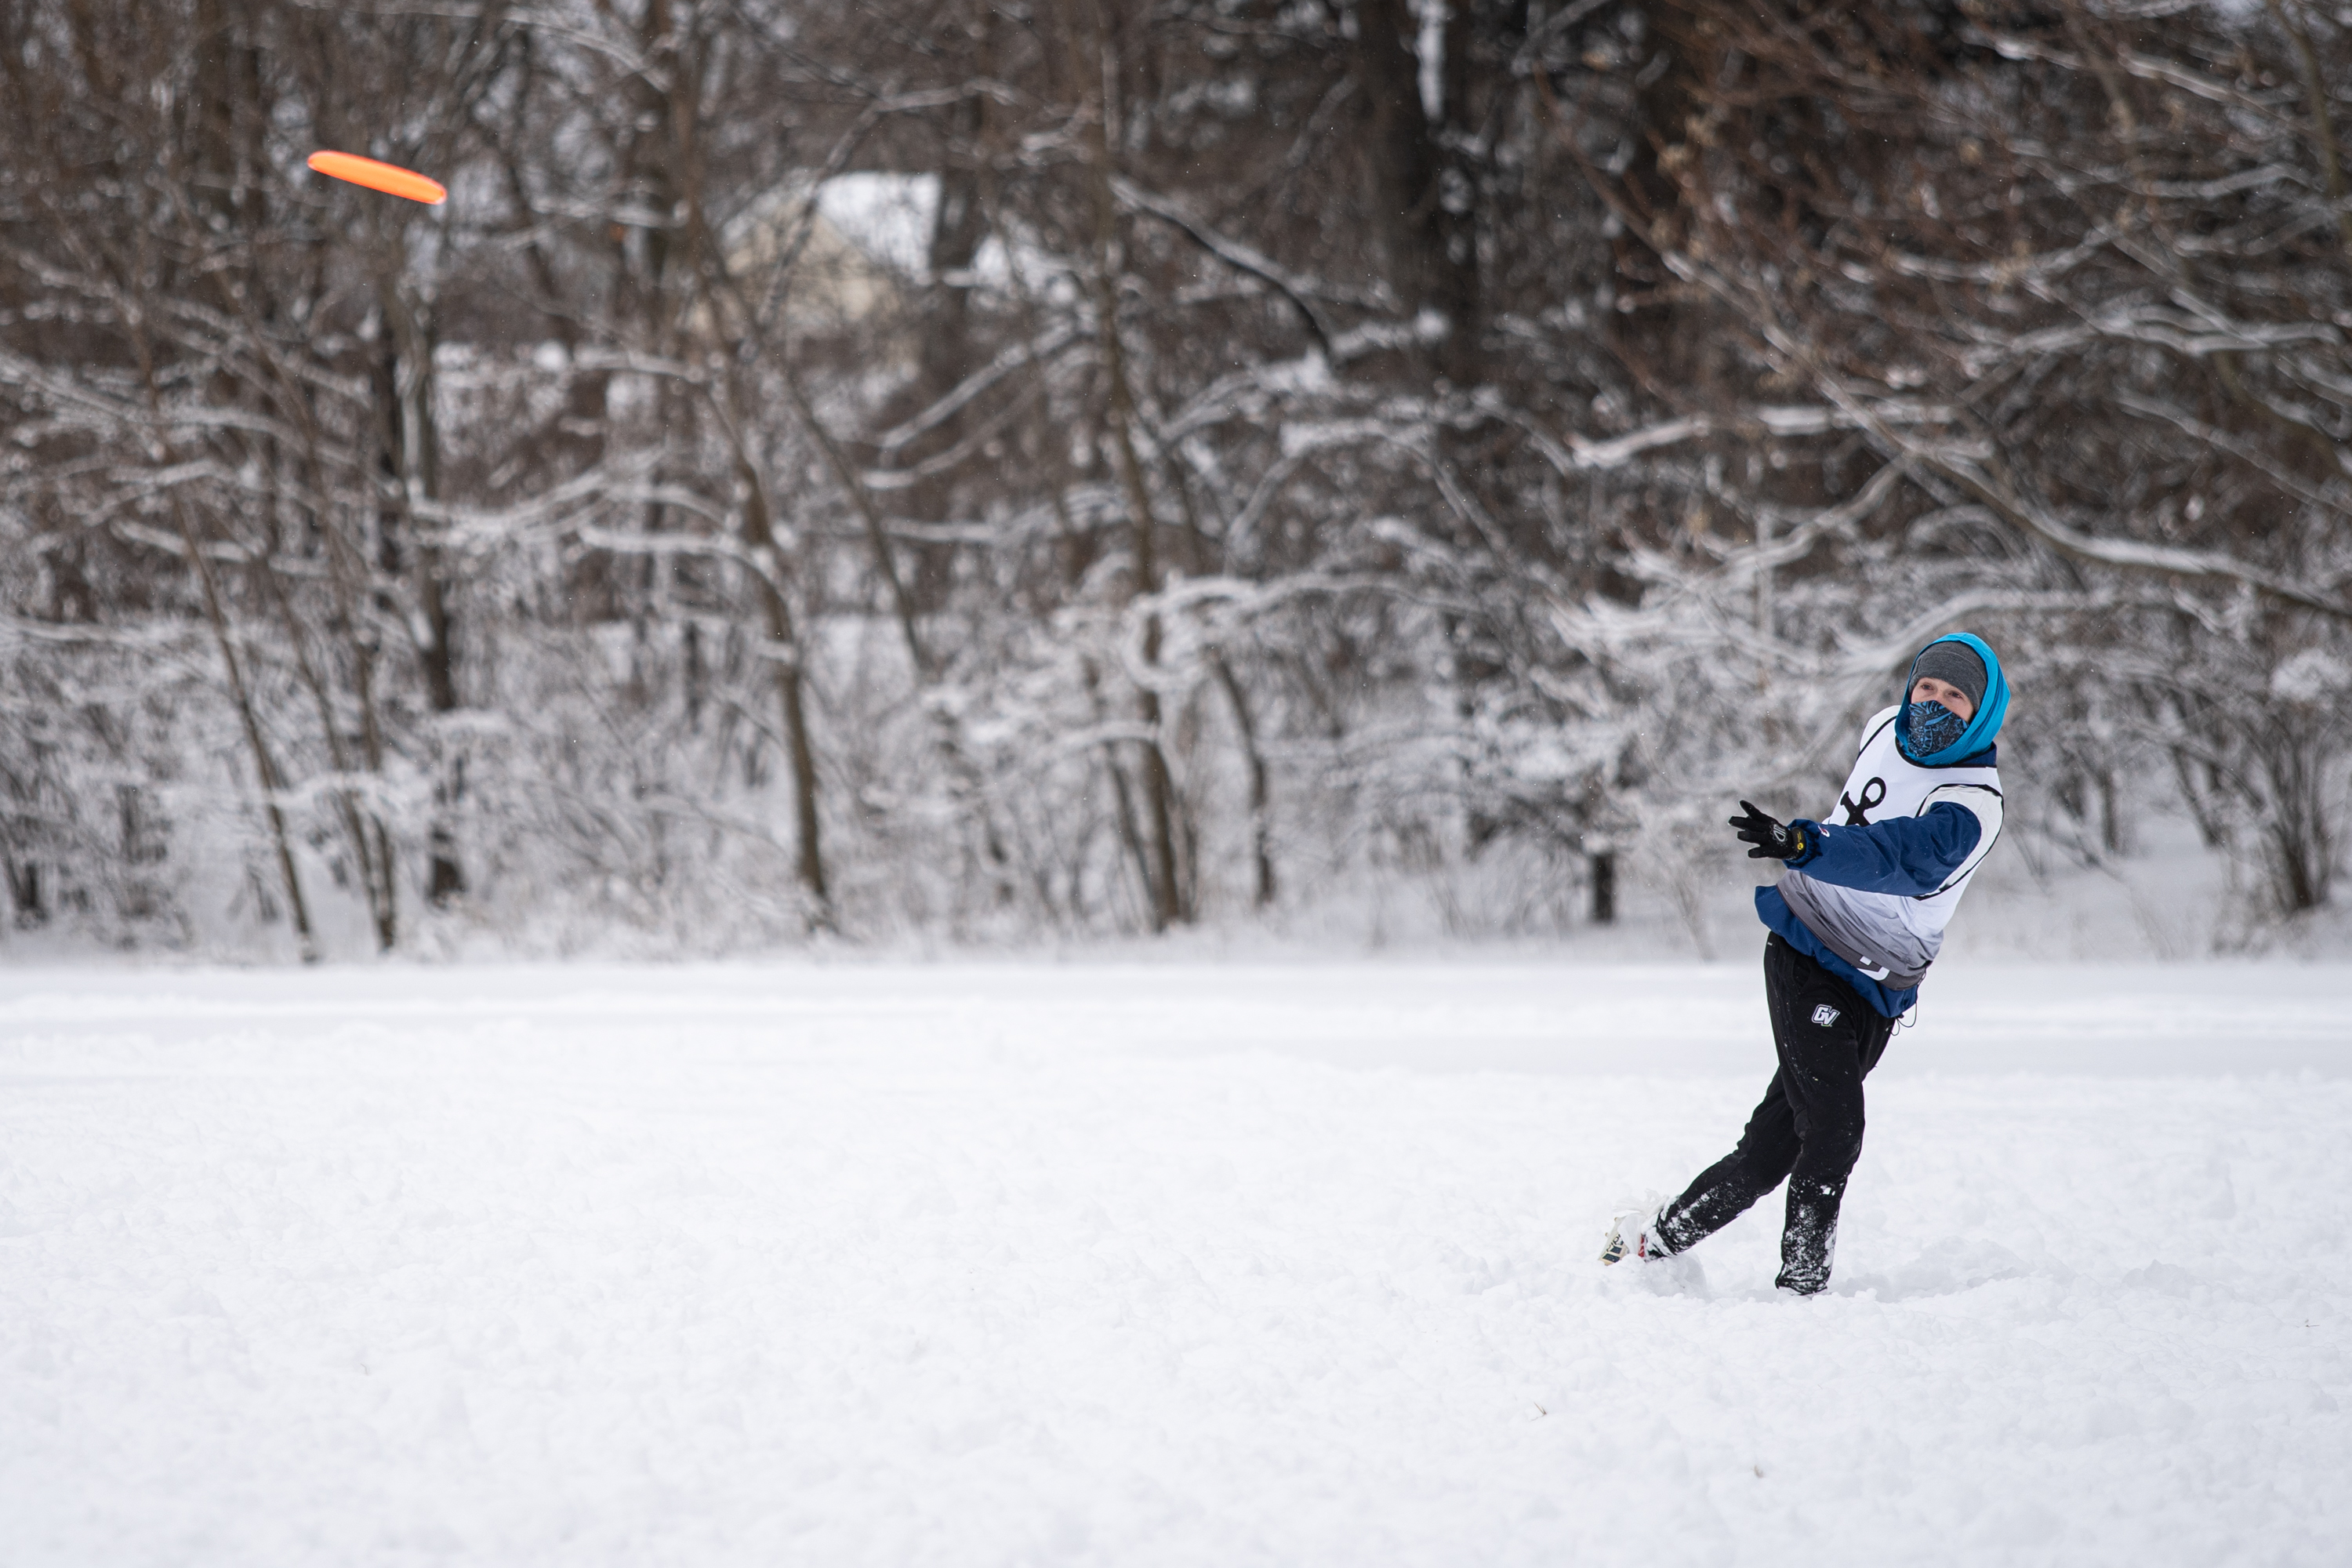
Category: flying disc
[389,178]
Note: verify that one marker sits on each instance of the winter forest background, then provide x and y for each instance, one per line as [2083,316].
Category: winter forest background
[989,468]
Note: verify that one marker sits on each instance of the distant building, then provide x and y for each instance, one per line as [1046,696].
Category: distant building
[867,245]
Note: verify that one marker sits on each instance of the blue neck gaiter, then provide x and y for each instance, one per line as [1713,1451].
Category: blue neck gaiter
[1933,728]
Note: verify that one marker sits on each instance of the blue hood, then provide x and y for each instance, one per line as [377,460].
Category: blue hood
[1981,729]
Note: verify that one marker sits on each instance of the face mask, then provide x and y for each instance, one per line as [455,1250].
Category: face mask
[1934,727]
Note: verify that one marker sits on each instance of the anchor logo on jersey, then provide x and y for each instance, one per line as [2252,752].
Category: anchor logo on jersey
[1857,811]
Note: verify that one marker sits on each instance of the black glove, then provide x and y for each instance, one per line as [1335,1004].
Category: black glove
[1772,838]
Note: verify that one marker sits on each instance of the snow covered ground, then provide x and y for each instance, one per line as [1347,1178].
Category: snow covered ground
[1279,1264]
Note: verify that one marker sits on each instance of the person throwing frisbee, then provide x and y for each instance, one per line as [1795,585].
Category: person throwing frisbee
[1856,918]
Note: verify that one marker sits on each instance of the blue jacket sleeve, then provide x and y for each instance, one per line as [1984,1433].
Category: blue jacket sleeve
[1908,855]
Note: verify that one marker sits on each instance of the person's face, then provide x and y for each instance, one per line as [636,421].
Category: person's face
[1927,688]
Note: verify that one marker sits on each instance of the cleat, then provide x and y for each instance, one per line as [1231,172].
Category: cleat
[1632,1234]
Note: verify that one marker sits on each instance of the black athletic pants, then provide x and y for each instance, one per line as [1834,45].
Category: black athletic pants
[1809,1128]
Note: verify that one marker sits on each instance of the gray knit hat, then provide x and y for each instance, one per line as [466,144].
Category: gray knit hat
[1954,663]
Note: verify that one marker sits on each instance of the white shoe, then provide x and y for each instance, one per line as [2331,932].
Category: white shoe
[1634,1233]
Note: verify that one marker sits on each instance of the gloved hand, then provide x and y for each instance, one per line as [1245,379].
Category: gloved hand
[1771,837]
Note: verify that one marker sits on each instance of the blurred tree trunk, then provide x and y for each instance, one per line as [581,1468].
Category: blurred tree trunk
[223,172]
[1095,67]
[784,657]
[271,781]
[686,274]
[409,462]
[1426,198]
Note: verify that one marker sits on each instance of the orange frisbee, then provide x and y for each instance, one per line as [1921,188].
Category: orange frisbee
[389,178]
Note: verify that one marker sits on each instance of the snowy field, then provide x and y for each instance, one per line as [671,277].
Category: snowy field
[1276,1264]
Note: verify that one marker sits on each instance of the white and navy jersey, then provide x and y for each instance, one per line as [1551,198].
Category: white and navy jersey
[1891,860]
